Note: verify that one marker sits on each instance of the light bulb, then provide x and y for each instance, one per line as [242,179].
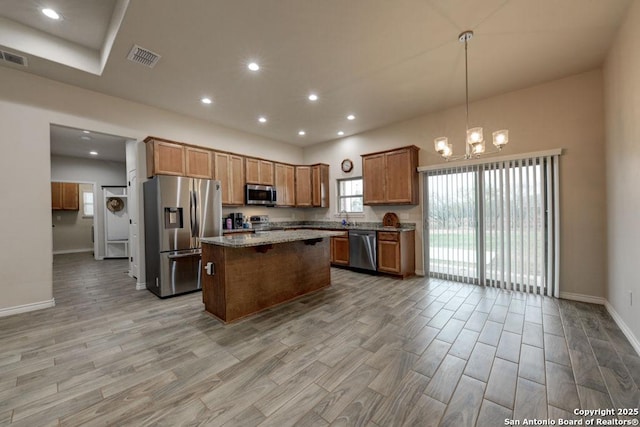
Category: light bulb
[474,136]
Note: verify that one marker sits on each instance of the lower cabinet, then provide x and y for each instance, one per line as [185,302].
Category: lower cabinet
[396,252]
[340,249]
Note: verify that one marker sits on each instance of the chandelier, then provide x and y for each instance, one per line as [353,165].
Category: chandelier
[475,139]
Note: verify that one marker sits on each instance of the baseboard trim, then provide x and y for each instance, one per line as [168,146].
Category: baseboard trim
[141,286]
[583,298]
[73,251]
[623,327]
[10,311]
[635,343]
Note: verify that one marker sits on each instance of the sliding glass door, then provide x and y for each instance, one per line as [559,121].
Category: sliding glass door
[453,225]
[495,224]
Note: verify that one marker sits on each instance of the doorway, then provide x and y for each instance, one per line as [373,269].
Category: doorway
[85,156]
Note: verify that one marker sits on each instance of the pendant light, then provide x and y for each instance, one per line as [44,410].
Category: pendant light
[475,145]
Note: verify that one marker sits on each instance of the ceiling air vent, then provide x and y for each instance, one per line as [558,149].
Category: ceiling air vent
[13,58]
[143,56]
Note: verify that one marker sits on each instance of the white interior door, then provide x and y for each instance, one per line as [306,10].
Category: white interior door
[134,264]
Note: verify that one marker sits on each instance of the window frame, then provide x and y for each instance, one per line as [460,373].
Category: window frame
[340,196]
[85,204]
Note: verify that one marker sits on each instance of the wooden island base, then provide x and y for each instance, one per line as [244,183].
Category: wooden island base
[250,279]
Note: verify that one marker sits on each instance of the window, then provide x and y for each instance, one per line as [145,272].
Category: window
[87,203]
[350,195]
[495,224]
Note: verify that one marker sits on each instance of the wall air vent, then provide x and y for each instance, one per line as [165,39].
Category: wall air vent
[143,56]
[13,58]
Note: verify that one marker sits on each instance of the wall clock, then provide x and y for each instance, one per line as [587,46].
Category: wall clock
[347,165]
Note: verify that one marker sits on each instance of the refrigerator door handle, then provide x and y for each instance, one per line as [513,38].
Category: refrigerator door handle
[192,212]
[196,223]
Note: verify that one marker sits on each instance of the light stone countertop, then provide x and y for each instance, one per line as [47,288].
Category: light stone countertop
[267,238]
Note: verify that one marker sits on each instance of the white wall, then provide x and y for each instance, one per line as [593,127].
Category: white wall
[100,172]
[566,113]
[622,112]
[28,106]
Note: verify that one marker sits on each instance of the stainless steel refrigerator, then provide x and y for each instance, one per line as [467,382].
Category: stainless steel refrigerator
[178,212]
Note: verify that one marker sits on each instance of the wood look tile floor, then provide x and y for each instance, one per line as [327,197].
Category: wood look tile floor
[369,351]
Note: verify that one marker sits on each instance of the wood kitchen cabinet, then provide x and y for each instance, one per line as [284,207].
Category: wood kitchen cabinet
[396,252]
[229,169]
[165,157]
[320,185]
[258,171]
[65,196]
[340,249]
[303,186]
[391,177]
[198,163]
[285,184]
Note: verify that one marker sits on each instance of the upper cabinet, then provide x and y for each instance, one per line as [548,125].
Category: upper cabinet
[285,185]
[306,185]
[165,157]
[391,177]
[303,186]
[312,186]
[258,171]
[65,196]
[229,169]
[198,162]
[320,185]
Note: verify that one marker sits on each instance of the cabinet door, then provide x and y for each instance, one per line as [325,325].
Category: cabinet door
[373,179]
[291,185]
[401,185]
[266,172]
[389,256]
[168,158]
[56,195]
[340,250]
[252,170]
[229,169]
[236,179]
[221,173]
[285,184]
[70,196]
[320,186]
[303,186]
[198,163]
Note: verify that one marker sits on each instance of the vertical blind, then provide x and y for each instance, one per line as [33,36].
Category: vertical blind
[495,223]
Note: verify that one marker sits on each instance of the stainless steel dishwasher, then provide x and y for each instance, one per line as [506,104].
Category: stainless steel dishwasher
[362,249]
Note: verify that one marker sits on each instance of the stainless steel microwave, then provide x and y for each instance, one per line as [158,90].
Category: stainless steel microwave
[260,195]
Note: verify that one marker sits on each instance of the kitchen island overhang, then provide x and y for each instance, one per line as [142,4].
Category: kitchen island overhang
[247,273]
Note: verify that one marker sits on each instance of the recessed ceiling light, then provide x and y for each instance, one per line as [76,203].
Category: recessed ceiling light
[50,13]
[206,100]
[262,119]
[302,133]
[351,117]
[86,138]
[253,66]
[313,97]
[86,131]
[340,133]
[93,153]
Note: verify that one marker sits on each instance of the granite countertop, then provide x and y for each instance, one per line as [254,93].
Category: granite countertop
[260,238]
[337,225]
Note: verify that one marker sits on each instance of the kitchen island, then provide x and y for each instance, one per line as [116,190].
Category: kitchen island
[246,273]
